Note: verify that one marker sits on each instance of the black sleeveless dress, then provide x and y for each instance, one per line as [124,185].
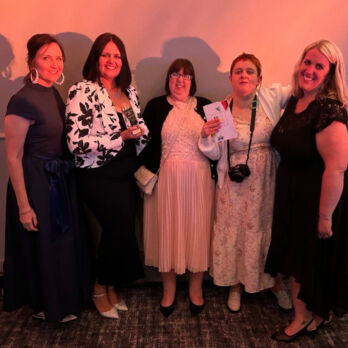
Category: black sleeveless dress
[319,265]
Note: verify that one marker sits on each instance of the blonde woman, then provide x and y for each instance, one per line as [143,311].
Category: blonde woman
[310,224]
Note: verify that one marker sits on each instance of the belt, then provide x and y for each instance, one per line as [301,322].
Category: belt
[59,202]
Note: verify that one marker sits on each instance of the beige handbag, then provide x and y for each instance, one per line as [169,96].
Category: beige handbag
[145,179]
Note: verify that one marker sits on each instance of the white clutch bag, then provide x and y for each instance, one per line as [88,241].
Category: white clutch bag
[145,179]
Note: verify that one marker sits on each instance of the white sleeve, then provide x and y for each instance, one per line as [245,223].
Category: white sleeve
[209,148]
[281,93]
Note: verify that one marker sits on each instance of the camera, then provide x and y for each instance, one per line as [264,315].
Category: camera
[239,172]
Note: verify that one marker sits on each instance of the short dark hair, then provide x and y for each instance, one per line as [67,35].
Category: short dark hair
[186,65]
[247,56]
[91,68]
[35,43]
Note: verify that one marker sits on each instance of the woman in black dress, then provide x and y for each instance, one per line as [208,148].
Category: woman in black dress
[310,225]
[45,254]
[105,133]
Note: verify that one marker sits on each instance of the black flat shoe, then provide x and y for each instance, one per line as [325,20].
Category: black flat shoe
[282,336]
[196,309]
[231,310]
[167,310]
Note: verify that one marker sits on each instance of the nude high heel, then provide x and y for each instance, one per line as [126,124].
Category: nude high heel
[121,305]
[111,313]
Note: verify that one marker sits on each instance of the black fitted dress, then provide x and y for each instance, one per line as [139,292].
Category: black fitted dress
[319,265]
[47,269]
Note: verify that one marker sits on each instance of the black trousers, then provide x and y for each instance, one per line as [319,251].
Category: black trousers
[110,193]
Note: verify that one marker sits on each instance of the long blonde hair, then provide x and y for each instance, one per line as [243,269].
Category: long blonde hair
[334,85]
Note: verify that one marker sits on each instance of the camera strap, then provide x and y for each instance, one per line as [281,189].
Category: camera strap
[252,127]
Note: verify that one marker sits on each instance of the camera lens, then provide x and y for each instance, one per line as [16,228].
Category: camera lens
[239,172]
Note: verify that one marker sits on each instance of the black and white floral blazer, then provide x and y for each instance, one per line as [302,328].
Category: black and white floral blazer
[92,124]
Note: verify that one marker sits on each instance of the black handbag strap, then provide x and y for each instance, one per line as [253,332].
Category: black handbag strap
[252,127]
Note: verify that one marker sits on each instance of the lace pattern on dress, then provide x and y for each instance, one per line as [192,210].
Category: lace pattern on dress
[318,115]
[331,110]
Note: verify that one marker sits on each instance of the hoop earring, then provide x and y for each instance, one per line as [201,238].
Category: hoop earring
[60,82]
[6,73]
[35,79]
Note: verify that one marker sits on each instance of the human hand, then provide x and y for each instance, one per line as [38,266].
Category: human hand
[132,132]
[324,228]
[211,127]
[28,219]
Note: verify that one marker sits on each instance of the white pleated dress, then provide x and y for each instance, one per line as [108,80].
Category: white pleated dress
[178,215]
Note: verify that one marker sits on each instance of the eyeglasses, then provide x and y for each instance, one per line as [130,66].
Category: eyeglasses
[176,75]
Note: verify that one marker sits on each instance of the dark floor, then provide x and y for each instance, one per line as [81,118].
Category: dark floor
[144,326]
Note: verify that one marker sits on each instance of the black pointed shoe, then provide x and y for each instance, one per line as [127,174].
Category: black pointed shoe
[282,336]
[167,310]
[318,327]
[196,309]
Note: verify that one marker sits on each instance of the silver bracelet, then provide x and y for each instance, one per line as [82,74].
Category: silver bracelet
[25,212]
[324,217]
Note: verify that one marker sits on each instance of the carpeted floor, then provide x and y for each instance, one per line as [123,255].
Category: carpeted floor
[144,326]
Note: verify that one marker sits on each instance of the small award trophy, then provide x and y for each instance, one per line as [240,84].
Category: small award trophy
[128,112]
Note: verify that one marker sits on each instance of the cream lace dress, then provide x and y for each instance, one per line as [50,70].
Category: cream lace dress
[178,214]
[242,228]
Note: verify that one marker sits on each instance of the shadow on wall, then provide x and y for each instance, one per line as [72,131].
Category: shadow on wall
[150,72]
[76,47]
[8,87]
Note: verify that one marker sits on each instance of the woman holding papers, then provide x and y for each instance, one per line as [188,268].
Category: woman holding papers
[244,197]
[178,214]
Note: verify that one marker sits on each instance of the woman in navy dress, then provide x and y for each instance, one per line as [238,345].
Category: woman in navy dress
[45,252]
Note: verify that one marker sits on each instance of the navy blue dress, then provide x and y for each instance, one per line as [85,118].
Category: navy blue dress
[47,269]
[319,265]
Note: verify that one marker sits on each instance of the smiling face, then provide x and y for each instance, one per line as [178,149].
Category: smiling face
[110,62]
[179,86]
[312,72]
[49,64]
[244,78]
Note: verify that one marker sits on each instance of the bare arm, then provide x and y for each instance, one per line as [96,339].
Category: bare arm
[16,129]
[332,144]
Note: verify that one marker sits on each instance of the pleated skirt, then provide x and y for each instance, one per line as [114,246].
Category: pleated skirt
[178,217]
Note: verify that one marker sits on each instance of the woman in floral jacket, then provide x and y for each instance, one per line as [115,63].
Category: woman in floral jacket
[105,133]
